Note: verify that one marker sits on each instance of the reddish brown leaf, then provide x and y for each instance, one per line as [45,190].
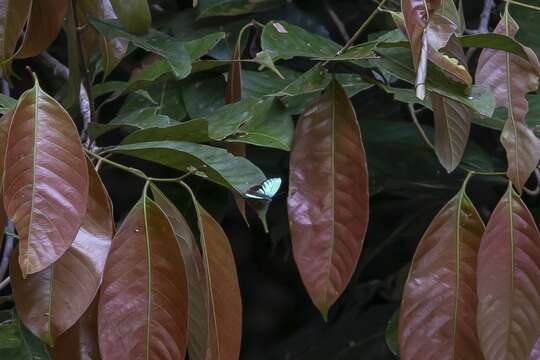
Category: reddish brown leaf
[438,310]
[51,301]
[511,78]
[80,342]
[44,25]
[143,300]
[224,300]
[425,29]
[198,317]
[508,281]
[45,180]
[328,196]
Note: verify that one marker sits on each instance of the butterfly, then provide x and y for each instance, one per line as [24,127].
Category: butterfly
[265,191]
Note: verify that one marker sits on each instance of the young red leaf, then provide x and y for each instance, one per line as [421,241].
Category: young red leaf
[328,196]
[224,300]
[51,301]
[81,340]
[44,25]
[508,277]
[452,119]
[45,180]
[438,310]
[511,78]
[425,29]
[143,299]
[198,317]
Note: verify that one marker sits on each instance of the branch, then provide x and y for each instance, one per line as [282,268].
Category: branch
[60,70]
[337,21]
[420,129]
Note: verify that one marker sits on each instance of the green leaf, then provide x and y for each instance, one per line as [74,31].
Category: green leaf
[203,96]
[391,334]
[285,41]
[133,14]
[398,62]
[172,50]
[494,41]
[209,8]
[6,103]
[16,341]
[214,164]
[195,130]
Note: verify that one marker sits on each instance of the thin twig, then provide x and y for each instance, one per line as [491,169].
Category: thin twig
[420,129]
[337,21]
[4,283]
[483,25]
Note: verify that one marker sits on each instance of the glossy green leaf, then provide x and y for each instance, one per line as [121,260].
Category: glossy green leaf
[511,78]
[51,301]
[224,300]
[328,231]
[208,8]
[391,333]
[172,50]
[45,180]
[7,102]
[284,41]
[214,164]
[143,300]
[438,309]
[508,271]
[195,131]
[203,96]
[16,341]
[198,313]
[133,14]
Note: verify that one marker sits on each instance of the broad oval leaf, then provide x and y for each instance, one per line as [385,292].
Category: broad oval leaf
[224,300]
[143,300]
[438,310]
[208,8]
[217,165]
[45,180]
[51,301]
[511,78]
[508,277]
[133,14]
[198,316]
[81,340]
[328,196]
[44,25]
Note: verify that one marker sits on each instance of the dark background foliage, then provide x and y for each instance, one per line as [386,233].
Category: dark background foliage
[407,184]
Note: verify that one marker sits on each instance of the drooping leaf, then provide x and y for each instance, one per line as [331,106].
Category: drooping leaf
[511,78]
[16,341]
[214,164]
[45,180]
[328,231]
[438,310]
[81,340]
[172,50]
[224,301]
[13,17]
[508,273]
[133,14]
[51,301]
[143,299]
[391,334]
[198,317]
[208,8]
[141,119]
[44,24]
[284,41]
[426,29]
